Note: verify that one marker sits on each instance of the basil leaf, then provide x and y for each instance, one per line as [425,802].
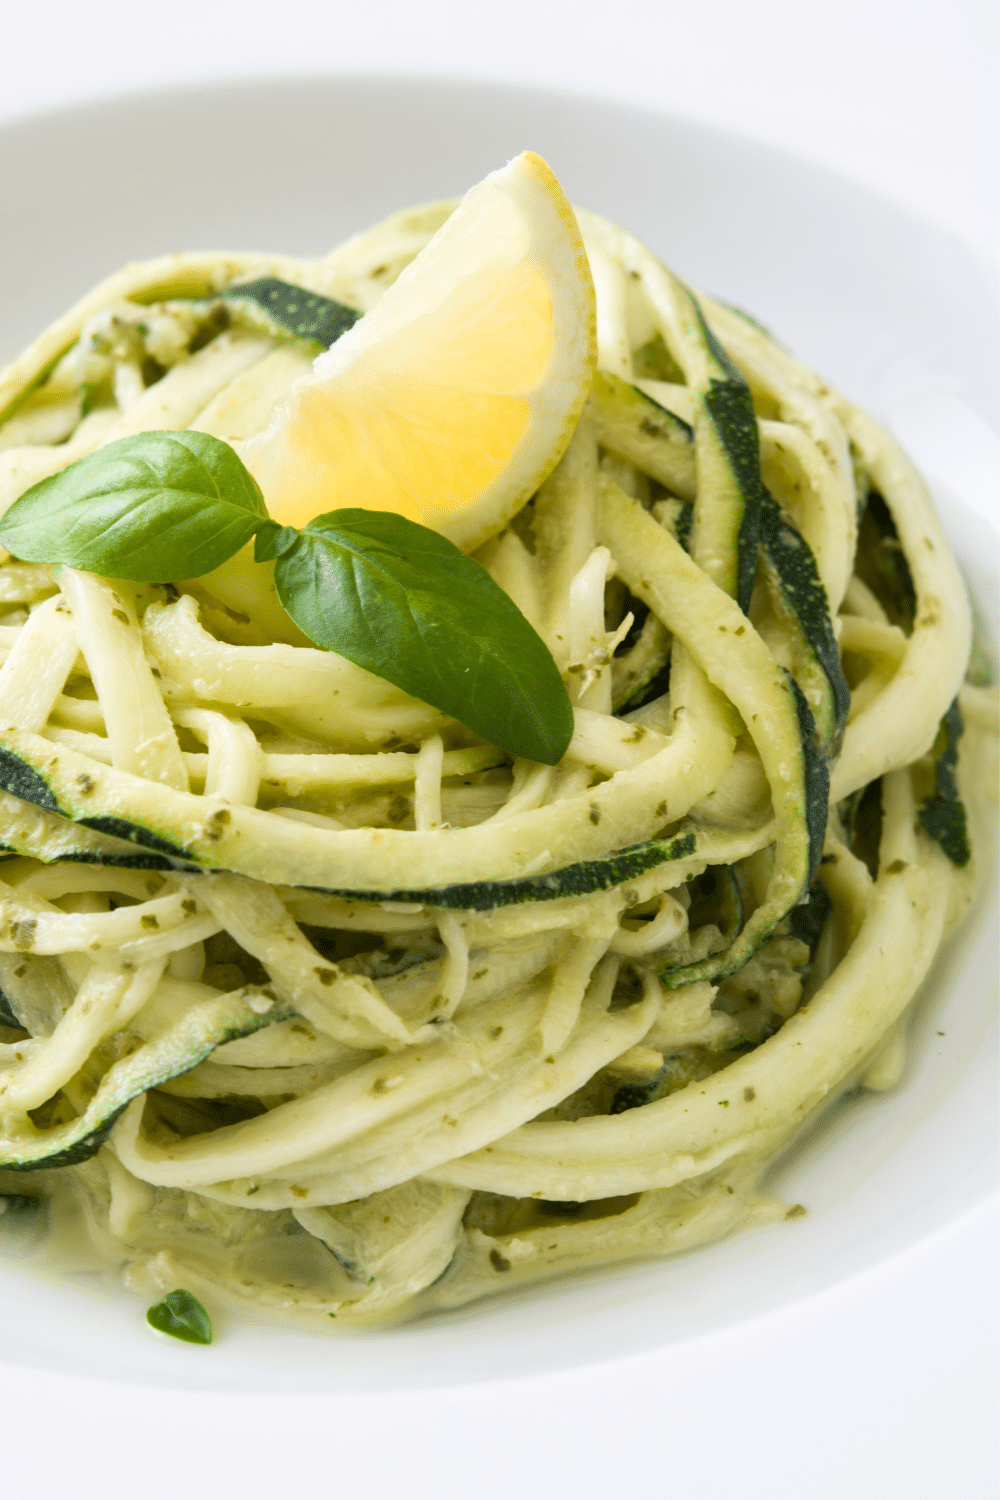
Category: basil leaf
[154,507]
[182,1316]
[306,314]
[404,603]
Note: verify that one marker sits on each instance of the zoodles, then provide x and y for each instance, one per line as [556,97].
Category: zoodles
[312,997]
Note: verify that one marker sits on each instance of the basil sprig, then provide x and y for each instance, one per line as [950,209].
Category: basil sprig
[182,1316]
[154,507]
[389,595]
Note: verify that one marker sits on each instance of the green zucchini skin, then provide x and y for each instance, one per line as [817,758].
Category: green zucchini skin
[787,557]
[87,843]
[683,521]
[881,562]
[133,833]
[806,920]
[727,911]
[73,833]
[793,570]
[81,1148]
[634,672]
[38,833]
[307,315]
[581,879]
[942,814]
[22,780]
[124,861]
[626,428]
[192,1040]
[101,838]
[69,842]
[815,786]
[729,404]
[635,427]
[7,1016]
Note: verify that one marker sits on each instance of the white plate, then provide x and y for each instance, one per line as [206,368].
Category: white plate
[888,307]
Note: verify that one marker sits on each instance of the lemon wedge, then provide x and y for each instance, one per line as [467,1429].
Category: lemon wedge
[453,398]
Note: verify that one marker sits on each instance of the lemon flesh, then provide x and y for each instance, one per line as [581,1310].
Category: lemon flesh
[453,398]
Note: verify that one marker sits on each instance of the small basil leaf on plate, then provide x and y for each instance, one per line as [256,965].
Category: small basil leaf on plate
[306,314]
[182,1316]
[154,507]
[407,605]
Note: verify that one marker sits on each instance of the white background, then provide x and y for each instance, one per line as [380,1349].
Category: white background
[884,1386]
[900,93]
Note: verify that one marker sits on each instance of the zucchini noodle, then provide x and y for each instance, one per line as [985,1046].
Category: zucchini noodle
[310,997]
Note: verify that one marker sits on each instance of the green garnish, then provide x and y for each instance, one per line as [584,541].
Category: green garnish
[406,604]
[182,1316]
[390,595]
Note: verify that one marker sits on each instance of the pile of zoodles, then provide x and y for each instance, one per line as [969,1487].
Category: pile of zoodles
[313,997]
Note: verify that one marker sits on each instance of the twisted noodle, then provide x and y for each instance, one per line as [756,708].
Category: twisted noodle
[458,1090]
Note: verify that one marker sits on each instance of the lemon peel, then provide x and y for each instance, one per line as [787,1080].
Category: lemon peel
[456,395]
